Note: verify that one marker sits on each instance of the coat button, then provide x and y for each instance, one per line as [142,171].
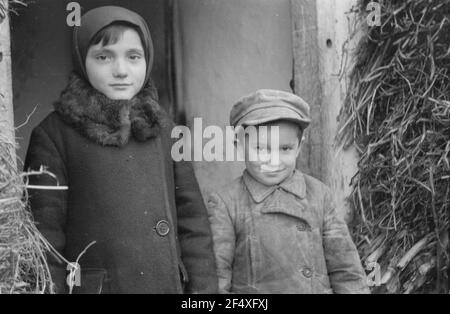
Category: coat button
[162,228]
[307,272]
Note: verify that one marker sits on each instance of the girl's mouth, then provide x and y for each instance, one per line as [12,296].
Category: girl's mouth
[119,85]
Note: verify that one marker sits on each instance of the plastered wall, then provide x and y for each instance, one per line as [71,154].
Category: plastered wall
[229,49]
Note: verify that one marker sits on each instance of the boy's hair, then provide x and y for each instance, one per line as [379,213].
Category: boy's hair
[111,34]
[299,128]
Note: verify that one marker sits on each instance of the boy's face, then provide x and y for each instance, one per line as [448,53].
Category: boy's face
[117,70]
[268,170]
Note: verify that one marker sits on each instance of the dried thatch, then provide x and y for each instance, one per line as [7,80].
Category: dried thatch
[12,7]
[398,116]
[23,267]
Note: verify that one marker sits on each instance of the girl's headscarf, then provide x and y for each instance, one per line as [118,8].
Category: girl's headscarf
[97,19]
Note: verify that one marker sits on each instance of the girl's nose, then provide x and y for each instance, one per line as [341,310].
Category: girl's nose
[119,69]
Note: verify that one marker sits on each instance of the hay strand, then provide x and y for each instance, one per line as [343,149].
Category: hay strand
[397,114]
[23,266]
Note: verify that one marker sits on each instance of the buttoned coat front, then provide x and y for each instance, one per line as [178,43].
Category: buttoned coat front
[282,239]
[144,211]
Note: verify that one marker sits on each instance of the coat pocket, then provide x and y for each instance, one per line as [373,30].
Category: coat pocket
[93,281]
[183,275]
[322,284]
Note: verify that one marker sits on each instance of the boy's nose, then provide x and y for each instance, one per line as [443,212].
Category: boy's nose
[274,161]
[271,158]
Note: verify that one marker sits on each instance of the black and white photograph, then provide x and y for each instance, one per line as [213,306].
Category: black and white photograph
[204,148]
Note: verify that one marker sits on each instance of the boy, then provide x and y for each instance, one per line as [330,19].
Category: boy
[109,141]
[275,230]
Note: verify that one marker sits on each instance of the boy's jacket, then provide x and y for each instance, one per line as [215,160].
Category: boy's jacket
[282,239]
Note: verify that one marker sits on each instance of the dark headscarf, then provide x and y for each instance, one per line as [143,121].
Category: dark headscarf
[97,19]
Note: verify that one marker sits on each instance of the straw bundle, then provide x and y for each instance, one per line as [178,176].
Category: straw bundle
[397,114]
[23,267]
[12,7]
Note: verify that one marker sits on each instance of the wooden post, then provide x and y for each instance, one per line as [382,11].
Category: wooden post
[7,136]
[322,57]
[307,81]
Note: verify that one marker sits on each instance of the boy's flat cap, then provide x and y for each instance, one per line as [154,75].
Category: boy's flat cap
[267,105]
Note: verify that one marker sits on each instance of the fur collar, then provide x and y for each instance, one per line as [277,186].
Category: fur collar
[110,122]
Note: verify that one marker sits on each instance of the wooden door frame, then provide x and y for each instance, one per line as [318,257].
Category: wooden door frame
[6,96]
[307,82]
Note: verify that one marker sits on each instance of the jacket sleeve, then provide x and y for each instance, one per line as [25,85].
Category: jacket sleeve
[224,240]
[194,232]
[48,206]
[344,265]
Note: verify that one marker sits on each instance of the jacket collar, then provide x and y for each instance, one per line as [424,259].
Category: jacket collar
[295,185]
[110,122]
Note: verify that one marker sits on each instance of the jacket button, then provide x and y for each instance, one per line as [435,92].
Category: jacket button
[301,227]
[307,272]
[162,228]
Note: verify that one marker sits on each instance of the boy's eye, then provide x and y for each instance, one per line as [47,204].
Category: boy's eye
[286,148]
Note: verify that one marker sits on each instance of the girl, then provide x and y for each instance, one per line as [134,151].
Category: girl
[109,141]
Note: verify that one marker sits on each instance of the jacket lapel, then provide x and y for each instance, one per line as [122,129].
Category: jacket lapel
[286,198]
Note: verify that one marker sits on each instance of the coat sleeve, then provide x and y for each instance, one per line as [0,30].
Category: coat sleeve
[48,206]
[224,240]
[194,232]
[344,265]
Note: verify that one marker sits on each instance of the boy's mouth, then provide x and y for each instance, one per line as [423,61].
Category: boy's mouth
[268,169]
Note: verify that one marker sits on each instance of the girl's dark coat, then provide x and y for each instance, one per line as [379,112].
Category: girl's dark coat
[122,182]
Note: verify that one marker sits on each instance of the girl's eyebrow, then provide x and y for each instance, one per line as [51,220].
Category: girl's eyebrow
[103,49]
[136,50]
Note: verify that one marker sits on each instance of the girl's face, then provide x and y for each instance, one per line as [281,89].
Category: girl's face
[117,70]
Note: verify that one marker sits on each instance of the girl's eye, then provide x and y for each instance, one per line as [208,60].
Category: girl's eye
[286,148]
[103,58]
[135,57]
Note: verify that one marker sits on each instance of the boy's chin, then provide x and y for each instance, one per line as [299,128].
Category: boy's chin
[270,179]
